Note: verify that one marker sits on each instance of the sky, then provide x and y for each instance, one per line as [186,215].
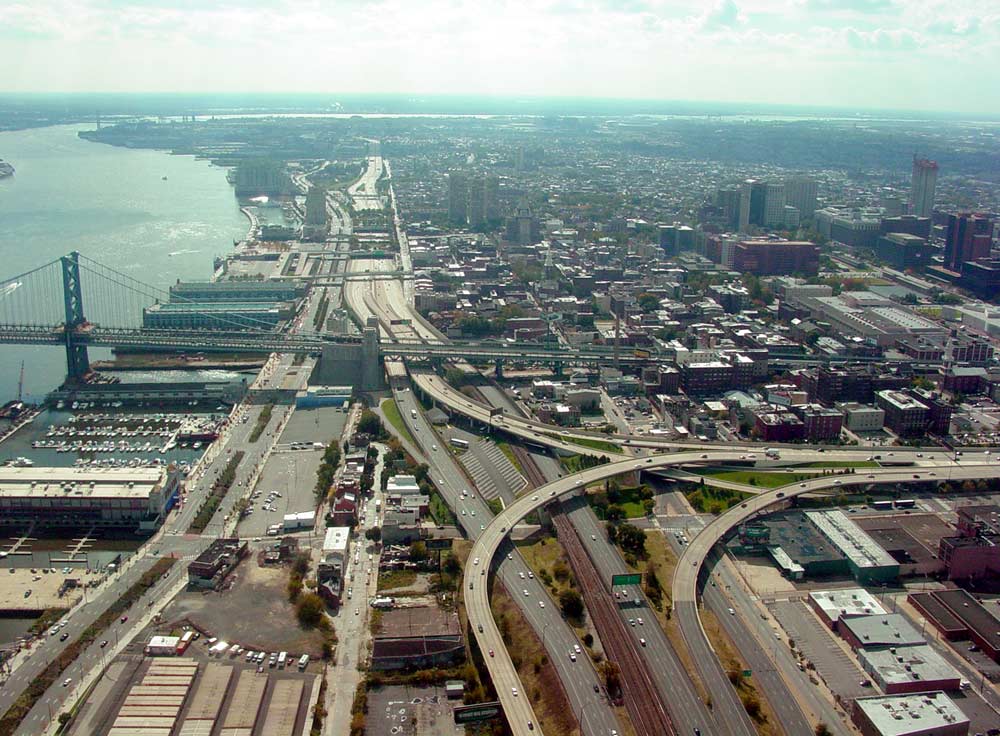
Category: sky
[935,55]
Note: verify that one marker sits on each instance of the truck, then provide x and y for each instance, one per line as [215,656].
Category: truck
[771,453]
[413,413]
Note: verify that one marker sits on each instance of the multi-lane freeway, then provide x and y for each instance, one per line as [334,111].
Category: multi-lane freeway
[729,718]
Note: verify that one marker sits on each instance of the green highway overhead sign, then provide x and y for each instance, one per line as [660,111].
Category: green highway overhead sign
[476,712]
[630,579]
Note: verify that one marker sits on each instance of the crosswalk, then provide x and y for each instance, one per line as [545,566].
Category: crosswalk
[502,466]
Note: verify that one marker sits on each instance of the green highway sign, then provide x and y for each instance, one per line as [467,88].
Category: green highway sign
[477,712]
[631,579]
[434,544]
[747,673]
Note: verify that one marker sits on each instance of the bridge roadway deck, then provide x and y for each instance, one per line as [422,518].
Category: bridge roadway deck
[730,717]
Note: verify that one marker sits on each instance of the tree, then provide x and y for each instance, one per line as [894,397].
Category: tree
[452,566]
[615,512]
[418,551]
[309,610]
[648,505]
[612,678]
[648,302]
[370,424]
[374,534]
[571,603]
[822,730]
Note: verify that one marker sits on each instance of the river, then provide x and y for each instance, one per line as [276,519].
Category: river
[113,205]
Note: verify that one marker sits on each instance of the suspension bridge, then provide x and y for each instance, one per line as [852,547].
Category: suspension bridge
[77,302]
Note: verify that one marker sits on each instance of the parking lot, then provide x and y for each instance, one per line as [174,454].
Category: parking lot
[292,472]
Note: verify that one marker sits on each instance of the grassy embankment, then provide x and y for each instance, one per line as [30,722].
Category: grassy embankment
[391,412]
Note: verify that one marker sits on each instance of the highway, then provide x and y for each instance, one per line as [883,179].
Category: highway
[729,719]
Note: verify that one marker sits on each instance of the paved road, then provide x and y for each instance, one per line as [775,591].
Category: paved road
[579,678]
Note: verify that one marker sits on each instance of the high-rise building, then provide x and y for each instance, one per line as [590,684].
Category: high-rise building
[458,198]
[969,238]
[523,227]
[491,198]
[477,199]
[903,250]
[922,187]
[774,204]
[800,193]
[728,200]
[316,213]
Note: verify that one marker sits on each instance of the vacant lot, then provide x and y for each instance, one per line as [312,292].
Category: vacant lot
[254,613]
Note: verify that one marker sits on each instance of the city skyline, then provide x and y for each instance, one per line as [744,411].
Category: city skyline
[858,54]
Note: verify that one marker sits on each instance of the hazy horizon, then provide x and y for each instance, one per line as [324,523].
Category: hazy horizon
[872,55]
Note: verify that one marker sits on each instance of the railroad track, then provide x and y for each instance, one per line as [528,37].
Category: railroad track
[642,700]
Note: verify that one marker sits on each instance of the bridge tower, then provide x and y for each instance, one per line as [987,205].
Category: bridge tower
[77,360]
[371,362]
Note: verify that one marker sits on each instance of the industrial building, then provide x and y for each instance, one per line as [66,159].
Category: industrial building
[927,714]
[237,290]
[133,498]
[882,631]
[974,553]
[795,545]
[216,315]
[832,606]
[959,615]
[418,638]
[909,669]
[866,560]
[316,396]
[211,567]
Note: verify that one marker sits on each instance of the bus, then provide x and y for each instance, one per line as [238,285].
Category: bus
[303,662]
[882,505]
[185,642]
[282,658]
[462,444]
[906,503]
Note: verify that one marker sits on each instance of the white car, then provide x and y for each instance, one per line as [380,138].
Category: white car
[572,657]
[541,604]
[522,575]
[526,592]
[513,691]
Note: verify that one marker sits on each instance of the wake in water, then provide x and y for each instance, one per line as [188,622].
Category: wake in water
[181,252]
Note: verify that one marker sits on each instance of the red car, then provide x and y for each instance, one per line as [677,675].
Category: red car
[124,619]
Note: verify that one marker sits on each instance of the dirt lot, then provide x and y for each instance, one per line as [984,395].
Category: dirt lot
[254,612]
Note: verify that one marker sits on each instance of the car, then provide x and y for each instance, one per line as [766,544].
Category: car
[482,527]
[732,611]
[531,575]
[434,448]
[579,483]
[513,691]
[521,574]
[572,656]
[510,556]
[475,561]
[533,498]
[642,641]
[593,537]
[704,457]
[104,643]
[865,683]
[463,512]
[915,475]
[802,485]
[597,688]
[526,594]
[838,483]
[781,494]
[491,653]
[631,622]
[357,611]
[480,628]
[473,512]
[65,636]
[541,604]
[531,726]
[67,681]
[640,621]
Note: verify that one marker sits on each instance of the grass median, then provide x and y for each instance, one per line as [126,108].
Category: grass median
[391,411]
[262,419]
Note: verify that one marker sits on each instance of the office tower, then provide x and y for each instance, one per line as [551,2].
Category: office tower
[477,198]
[316,214]
[491,198]
[791,216]
[774,204]
[776,257]
[800,193]
[523,227]
[922,187]
[743,218]
[969,238]
[728,200]
[458,198]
